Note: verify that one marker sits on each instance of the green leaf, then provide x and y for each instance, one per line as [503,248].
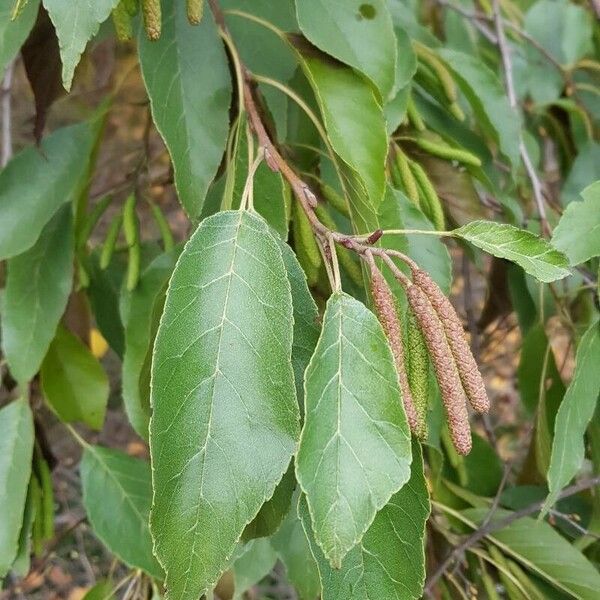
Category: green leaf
[389,562]
[306,319]
[256,562]
[225,417]
[37,181]
[574,414]
[353,118]
[486,95]
[291,545]
[73,381]
[37,289]
[117,493]
[14,33]
[355,445]
[359,34]
[187,78]
[578,231]
[537,546]
[137,314]
[534,254]
[16,450]
[274,510]
[584,171]
[76,22]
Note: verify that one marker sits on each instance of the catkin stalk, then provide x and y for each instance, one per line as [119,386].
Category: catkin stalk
[151,12]
[451,389]
[385,309]
[407,178]
[430,201]
[468,371]
[195,10]
[417,363]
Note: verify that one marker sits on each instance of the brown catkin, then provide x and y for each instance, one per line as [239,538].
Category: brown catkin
[470,376]
[152,18]
[417,366]
[453,396]
[385,309]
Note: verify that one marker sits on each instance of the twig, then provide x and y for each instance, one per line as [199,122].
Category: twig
[492,526]
[5,95]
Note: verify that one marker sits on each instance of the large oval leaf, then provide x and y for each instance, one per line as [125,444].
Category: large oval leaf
[225,416]
[37,289]
[117,493]
[355,445]
[357,33]
[537,256]
[16,449]
[389,562]
[37,181]
[187,79]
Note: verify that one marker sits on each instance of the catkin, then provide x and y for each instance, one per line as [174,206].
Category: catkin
[195,10]
[451,389]
[470,376]
[413,115]
[305,245]
[385,309]
[163,227]
[409,183]
[152,18]
[110,241]
[448,152]
[131,6]
[122,22]
[430,201]
[338,202]
[428,57]
[417,362]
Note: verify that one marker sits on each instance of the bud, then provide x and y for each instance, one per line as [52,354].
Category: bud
[453,396]
[465,362]
[385,309]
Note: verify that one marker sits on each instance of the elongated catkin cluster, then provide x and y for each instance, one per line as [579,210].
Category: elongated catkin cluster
[385,309]
[470,376]
[453,395]
[417,363]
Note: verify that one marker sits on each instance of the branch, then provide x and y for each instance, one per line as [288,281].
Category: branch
[492,526]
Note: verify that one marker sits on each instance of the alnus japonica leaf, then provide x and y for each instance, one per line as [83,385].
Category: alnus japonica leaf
[225,416]
[38,284]
[257,560]
[389,562]
[306,319]
[14,32]
[136,309]
[360,35]
[534,254]
[353,118]
[355,445]
[536,545]
[73,381]
[578,231]
[574,414]
[37,181]
[484,91]
[189,86]
[76,22]
[292,547]
[16,449]
[117,493]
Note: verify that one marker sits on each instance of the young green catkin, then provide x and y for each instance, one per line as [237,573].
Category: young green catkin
[417,366]
[151,12]
[428,57]
[122,22]
[130,221]
[110,241]
[430,201]
[163,226]
[133,266]
[195,10]
[409,183]
[448,152]
[413,115]
[453,396]
[305,245]
[336,200]
[131,6]
[385,309]
[468,371]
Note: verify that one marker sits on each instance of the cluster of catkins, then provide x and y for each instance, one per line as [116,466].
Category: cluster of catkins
[433,331]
